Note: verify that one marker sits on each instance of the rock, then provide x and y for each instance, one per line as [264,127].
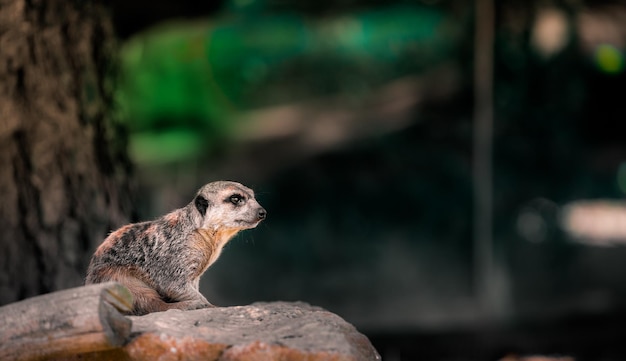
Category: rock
[261,331]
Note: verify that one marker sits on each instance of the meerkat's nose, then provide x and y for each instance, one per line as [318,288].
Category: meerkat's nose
[262,213]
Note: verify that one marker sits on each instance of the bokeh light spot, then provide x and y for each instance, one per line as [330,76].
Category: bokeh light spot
[609,59]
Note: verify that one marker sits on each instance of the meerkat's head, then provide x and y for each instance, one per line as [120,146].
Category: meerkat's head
[226,205]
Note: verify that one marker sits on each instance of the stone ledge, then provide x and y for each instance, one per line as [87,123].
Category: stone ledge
[85,324]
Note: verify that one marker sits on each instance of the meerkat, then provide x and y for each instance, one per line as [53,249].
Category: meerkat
[161,261]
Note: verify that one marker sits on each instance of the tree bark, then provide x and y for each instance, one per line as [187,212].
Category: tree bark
[64,175]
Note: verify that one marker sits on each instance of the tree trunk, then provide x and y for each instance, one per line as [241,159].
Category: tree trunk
[63,170]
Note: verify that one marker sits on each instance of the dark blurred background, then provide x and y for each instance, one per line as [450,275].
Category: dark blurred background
[355,121]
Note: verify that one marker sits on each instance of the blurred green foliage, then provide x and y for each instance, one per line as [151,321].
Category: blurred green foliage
[609,59]
[185,82]
[381,230]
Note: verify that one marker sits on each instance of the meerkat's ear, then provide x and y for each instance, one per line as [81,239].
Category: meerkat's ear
[201,204]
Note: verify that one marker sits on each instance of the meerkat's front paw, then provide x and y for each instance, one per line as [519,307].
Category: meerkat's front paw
[204,305]
[200,306]
[194,305]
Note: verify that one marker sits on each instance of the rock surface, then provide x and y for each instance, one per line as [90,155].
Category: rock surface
[261,331]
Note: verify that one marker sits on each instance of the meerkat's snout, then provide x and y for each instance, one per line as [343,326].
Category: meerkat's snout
[262,214]
[258,215]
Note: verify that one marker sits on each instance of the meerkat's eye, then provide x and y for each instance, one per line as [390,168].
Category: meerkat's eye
[237,199]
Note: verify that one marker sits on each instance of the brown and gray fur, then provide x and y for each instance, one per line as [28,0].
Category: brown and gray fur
[161,261]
